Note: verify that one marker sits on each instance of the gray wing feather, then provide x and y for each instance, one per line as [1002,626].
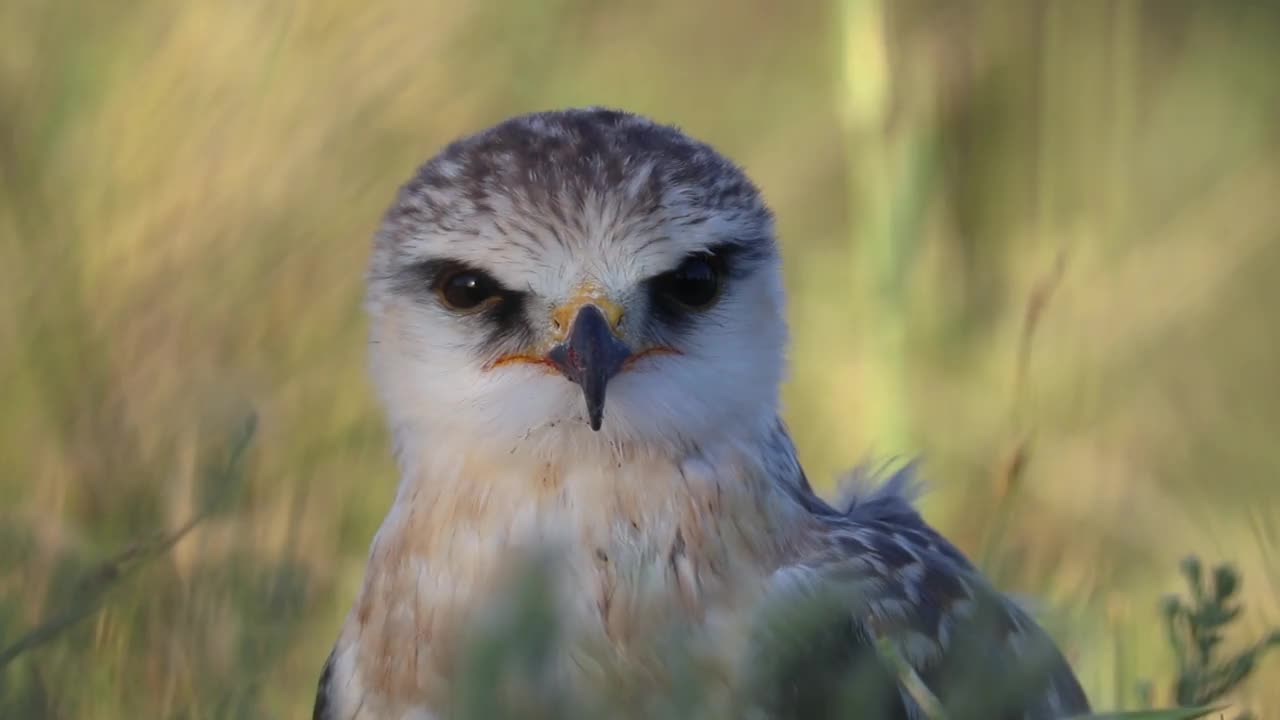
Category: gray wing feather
[917,594]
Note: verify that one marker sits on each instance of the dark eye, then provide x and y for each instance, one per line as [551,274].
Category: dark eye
[467,289]
[694,285]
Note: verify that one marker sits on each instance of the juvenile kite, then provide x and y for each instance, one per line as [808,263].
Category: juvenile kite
[578,335]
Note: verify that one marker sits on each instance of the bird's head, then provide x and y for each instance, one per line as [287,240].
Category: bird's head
[577,279]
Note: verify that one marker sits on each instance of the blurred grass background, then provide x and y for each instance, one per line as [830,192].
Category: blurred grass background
[1037,242]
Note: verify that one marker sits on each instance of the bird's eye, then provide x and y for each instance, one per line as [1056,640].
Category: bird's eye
[694,285]
[467,289]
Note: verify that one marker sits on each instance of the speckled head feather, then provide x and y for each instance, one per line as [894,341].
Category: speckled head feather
[550,167]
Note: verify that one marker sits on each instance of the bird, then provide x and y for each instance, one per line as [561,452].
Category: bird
[577,333]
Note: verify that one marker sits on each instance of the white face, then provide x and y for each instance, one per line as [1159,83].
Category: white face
[469,304]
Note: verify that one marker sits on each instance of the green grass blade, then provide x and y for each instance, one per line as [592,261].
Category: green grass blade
[1172,714]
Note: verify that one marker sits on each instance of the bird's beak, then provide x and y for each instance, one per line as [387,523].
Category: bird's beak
[590,354]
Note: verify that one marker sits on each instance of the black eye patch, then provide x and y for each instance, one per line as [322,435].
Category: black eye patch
[470,292]
[698,281]
[693,286]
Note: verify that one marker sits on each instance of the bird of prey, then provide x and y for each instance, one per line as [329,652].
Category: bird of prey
[577,333]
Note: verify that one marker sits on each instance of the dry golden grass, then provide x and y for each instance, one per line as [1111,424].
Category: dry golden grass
[187,191]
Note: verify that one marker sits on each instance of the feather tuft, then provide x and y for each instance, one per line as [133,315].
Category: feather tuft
[879,491]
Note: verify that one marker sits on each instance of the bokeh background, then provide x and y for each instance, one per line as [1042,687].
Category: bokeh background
[1037,243]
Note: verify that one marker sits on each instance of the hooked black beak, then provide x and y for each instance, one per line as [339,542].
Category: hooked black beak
[590,356]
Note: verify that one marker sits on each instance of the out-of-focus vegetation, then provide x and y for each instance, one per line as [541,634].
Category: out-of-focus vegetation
[1037,242]
[1196,632]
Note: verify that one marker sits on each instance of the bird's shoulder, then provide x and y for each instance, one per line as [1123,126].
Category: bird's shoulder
[901,591]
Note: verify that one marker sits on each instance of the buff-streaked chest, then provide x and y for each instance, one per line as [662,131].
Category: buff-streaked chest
[633,545]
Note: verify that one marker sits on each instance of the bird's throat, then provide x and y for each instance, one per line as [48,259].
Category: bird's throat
[633,545]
